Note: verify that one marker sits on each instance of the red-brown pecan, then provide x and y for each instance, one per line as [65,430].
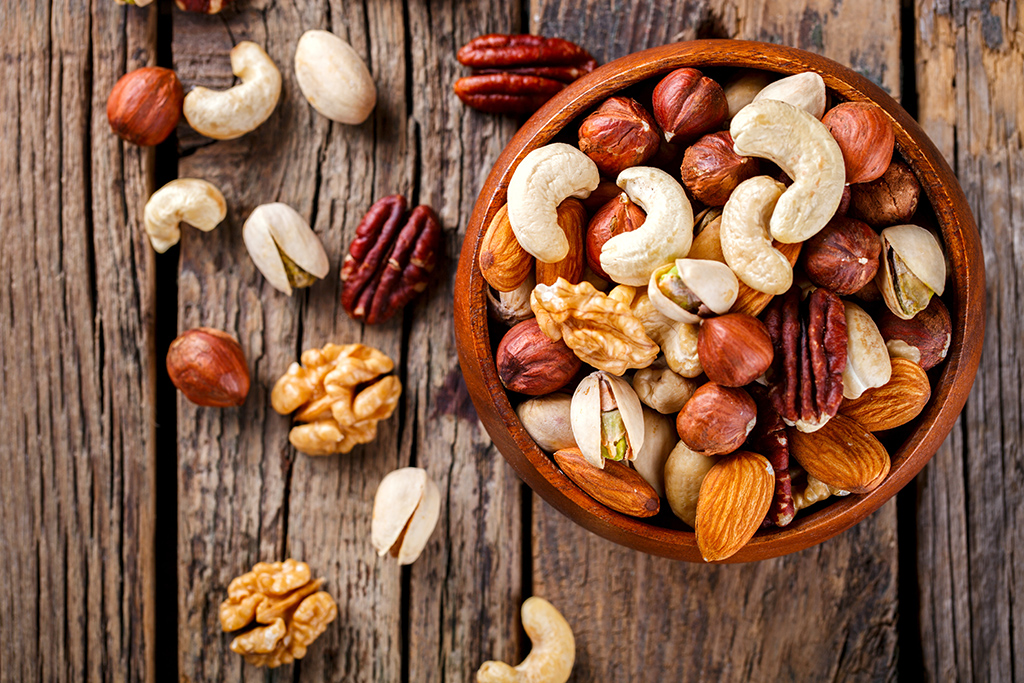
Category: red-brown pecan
[769,439]
[390,260]
[516,74]
[810,355]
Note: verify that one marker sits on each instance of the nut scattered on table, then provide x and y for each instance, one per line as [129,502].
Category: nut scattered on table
[287,604]
[203,6]
[145,105]
[340,396]
[390,260]
[333,78]
[405,511]
[208,367]
[284,248]
[183,200]
[553,653]
[229,114]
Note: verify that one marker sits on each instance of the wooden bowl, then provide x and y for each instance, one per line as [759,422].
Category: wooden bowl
[965,297]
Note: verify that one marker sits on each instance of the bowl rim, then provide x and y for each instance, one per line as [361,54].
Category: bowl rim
[967,312]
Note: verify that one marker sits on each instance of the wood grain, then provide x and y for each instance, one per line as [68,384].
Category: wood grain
[971,516]
[78,372]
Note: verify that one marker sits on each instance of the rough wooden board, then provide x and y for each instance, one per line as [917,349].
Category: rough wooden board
[78,377]
[827,612]
[465,590]
[971,519]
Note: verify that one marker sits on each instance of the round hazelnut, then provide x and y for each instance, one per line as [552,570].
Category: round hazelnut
[145,105]
[924,339]
[688,104]
[734,349]
[842,257]
[890,200]
[716,419]
[619,134]
[711,169]
[203,6]
[617,216]
[208,367]
[865,136]
[530,363]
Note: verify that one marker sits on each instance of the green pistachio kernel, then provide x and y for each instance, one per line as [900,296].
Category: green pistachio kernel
[613,435]
[671,285]
[912,294]
[297,277]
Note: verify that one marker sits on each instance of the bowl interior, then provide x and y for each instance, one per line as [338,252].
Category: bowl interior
[911,447]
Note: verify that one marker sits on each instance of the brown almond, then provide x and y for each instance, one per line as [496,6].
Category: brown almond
[572,219]
[895,403]
[617,486]
[503,262]
[734,499]
[842,454]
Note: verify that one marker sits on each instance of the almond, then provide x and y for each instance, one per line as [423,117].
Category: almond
[617,486]
[843,454]
[572,219]
[734,499]
[503,262]
[895,403]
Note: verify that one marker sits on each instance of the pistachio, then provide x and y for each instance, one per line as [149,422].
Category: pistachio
[912,268]
[405,511]
[284,248]
[607,419]
[691,289]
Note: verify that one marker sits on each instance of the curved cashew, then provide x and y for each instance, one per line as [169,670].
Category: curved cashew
[194,201]
[678,341]
[334,78]
[805,90]
[542,180]
[630,257]
[553,653]
[802,147]
[231,113]
[744,237]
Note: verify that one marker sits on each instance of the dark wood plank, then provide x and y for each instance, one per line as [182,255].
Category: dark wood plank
[827,612]
[78,377]
[971,514]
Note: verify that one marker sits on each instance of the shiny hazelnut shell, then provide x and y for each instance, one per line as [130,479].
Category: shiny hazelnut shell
[711,169]
[145,105]
[924,339]
[842,257]
[616,217]
[716,419]
[618,135]
[688,104]
[208,367]
[865,137]
[530,363]
[734,349]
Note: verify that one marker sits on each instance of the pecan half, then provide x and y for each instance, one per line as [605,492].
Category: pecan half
[390,260]
[769,439]
[810,356]
[516,74]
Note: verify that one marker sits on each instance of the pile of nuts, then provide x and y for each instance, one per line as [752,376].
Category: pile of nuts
[715,302]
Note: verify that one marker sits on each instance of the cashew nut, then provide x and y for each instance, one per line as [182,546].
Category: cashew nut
[229,114]
[544,178]
[630,257]
[194,201]
[805,90]
[678,341]
[744,237]
[333,77]
[283,247]
[553,653]
[802,147]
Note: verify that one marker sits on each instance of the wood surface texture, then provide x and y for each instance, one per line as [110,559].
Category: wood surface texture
[933,588]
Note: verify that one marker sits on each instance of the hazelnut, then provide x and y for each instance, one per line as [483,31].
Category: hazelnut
[842,257]
[711,169]
[203,6]
[734,349]
[716,419]
[616,217]
[890,200]
[208,367]
[619,134]
[924,339]
[144,106]
[688,104]
[865,137]
[529,362]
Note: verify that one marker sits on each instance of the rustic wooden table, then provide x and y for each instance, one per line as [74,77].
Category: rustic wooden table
[126,510]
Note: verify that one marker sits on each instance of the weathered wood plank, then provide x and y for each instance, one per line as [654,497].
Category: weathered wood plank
[78,377]
[827,612]
[971,516]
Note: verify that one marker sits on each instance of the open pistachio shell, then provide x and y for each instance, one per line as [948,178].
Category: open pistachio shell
[585,415]
[712,282]
[921,253]
[867,358]
[405,512]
